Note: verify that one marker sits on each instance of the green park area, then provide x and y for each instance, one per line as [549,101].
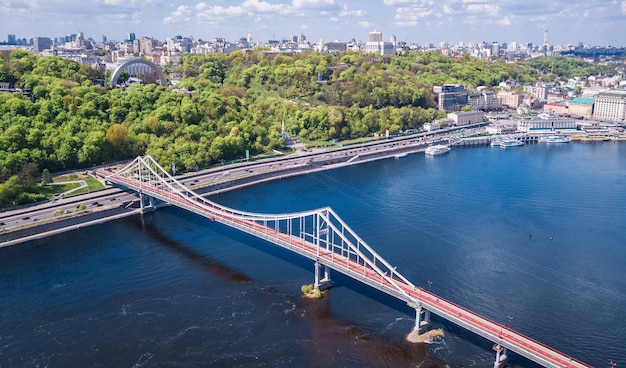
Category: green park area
[225,106]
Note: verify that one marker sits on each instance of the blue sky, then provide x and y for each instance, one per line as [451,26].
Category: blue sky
[595,22]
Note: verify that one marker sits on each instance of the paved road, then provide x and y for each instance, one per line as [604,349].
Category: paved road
[21,224]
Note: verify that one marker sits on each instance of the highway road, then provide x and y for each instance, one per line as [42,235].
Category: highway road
[24,223]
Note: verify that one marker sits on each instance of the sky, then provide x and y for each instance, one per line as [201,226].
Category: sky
[593,22]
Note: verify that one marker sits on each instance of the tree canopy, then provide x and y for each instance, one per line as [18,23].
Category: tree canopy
[223,105]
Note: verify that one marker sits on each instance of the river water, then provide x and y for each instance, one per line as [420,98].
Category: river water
[533,232]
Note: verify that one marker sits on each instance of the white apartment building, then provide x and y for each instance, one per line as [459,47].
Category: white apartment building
[610,106]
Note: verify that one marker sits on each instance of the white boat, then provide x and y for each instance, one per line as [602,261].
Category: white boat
[399,155]
[507,142]
[554,138]
[437,149]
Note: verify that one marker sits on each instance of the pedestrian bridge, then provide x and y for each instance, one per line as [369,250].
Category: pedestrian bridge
[322,236]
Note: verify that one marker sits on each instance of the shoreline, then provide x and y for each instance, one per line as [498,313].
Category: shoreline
[29,233]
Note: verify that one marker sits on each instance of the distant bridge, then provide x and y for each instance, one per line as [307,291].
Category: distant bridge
[322,236]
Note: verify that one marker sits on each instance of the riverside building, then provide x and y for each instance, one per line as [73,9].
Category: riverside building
[545,123]
[610,106]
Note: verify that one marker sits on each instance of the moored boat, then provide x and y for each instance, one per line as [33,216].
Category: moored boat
[507,142]
[437,149]
[554,138]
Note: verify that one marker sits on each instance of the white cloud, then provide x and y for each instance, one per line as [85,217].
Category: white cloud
[447,9]
[364,24]
[313,4]
[181,13]
[506,21]
[345,12]
[395,2]
[488,9]
[127,3]
[256,6]
[214,14]
[412,15]
[623,7]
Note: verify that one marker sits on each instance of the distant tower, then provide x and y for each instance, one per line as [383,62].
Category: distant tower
[545,40]
[250,37]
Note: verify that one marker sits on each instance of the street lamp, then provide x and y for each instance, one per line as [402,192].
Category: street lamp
[510,319]
[429,283]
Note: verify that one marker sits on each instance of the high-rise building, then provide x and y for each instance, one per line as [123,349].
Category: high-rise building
[376,44]
[41,43]
[130,37]
[376,36]
[11,40]
[495,49]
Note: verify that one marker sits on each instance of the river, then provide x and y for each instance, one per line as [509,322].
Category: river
[533,232]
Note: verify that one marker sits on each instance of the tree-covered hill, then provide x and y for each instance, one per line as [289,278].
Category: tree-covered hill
[223,105]
[568,67]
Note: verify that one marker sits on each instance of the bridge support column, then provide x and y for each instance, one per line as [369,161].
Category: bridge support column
[422,319]
[323,283]
[142,201]
[501,356]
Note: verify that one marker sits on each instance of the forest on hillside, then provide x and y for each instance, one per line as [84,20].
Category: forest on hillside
[223,106]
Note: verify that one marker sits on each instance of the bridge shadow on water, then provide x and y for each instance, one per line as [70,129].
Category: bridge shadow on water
[332,342]
[330,335]
[145,222]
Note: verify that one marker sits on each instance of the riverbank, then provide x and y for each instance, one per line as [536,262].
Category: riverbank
[98,214]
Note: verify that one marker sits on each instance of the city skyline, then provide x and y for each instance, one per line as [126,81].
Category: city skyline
[592,22]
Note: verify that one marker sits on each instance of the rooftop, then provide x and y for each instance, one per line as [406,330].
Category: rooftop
[583,101]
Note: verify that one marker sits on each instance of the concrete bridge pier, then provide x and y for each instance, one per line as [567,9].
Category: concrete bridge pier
[324,283]
[146,203]
[501,356]
[422,318]
[420,332]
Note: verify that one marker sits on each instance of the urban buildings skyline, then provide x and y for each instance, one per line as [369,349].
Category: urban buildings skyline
[593,22]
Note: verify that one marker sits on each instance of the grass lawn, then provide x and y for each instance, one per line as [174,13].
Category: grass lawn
[92,184]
